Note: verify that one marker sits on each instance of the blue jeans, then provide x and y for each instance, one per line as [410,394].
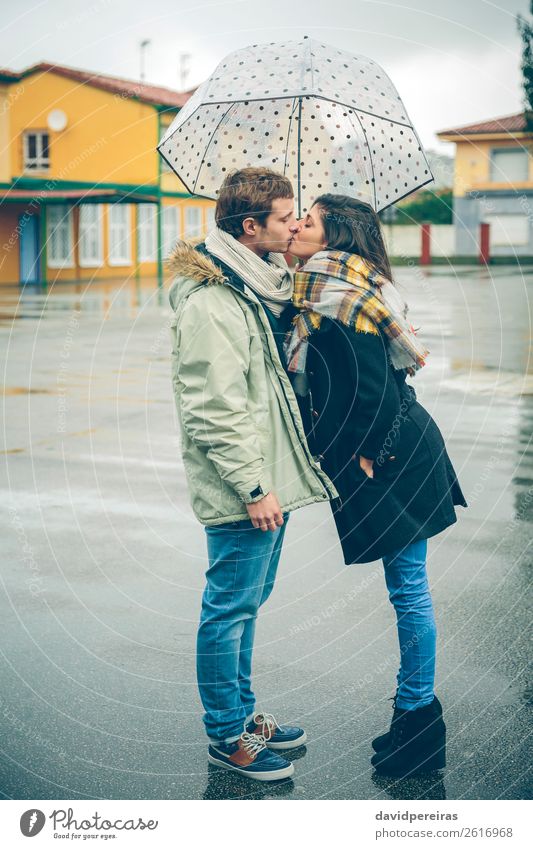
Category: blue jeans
[407,583]
[243,561]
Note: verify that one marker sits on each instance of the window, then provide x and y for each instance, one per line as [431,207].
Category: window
[59,236]
[146,231]
[210,223]
[509,165]
[36,151]
[193,221]
[165,167]
[119,234]
[91,248]
[171,230]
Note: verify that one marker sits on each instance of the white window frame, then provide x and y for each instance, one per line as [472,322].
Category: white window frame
[170,228]
[89,230]
[496,176]
[147,232]
[119,254]
[210,222]
[62,213]
[39,162]
[198,225]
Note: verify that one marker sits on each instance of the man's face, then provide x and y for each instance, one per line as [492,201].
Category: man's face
[279,227]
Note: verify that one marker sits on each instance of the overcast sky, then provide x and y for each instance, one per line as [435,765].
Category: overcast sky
[453,62]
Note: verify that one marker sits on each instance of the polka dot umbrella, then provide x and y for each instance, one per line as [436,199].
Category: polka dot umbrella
[329,120]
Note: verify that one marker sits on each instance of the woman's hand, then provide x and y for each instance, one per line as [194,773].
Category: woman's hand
[367,466]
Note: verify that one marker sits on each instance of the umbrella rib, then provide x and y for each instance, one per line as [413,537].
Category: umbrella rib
[288,137]
[215,131]
[299,129]
[370,158]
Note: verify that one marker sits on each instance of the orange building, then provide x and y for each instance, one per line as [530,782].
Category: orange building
[493,184]
[83,191]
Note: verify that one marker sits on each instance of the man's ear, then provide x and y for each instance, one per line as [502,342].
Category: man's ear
[249,227]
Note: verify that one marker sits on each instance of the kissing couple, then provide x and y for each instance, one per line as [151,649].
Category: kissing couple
[292,388]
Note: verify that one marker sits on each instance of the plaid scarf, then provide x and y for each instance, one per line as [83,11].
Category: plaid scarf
[343,286]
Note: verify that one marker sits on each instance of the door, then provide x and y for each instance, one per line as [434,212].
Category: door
[29,248]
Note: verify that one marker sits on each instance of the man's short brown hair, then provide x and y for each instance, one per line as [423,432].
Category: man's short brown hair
[249,193]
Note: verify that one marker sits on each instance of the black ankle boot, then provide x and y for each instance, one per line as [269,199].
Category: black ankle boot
[380,743]
[417,742]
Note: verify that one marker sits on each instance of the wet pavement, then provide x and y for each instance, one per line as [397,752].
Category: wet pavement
[103,564]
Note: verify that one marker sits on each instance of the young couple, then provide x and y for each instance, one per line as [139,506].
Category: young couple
[291,389]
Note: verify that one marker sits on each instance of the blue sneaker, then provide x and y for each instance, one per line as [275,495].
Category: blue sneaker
[276,736]
[249,756]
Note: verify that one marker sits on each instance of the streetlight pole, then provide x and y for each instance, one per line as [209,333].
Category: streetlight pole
[142,46]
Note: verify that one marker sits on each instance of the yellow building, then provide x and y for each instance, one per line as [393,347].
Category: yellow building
[493,184]
[83,191]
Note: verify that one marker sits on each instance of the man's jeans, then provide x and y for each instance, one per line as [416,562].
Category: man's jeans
[243,561]
[407,583]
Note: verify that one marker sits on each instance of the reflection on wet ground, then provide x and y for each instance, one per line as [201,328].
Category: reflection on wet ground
[105,562]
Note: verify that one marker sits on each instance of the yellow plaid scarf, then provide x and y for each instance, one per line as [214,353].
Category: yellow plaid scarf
[344,286]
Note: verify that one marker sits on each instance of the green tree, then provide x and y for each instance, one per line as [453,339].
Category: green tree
[525,28]
[434,207]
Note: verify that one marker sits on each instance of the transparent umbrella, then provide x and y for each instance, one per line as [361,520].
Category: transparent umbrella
[329,120]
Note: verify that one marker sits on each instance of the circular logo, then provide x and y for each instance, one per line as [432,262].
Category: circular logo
[31,822]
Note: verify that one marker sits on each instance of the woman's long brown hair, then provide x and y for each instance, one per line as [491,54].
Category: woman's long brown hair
[352,226]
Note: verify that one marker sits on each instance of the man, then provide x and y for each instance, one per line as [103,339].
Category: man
[245,455]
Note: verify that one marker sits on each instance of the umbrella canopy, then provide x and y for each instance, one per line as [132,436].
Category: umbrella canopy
[329,120]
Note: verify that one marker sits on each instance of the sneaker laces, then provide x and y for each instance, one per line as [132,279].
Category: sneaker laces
[253,743]
[268,724]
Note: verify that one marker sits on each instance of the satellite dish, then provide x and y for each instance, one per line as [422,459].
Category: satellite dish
[56,120]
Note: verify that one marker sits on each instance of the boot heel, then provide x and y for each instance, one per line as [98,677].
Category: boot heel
[421,762]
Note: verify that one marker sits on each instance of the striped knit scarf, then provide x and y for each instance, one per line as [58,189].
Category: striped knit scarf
[343,286]
[270,278]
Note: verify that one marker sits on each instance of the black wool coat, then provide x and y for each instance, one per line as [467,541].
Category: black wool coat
[359,405]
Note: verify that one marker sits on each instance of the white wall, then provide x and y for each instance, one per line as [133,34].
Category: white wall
[407,240]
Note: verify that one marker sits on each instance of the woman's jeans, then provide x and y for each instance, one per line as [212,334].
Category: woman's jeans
[407,583]
[243,561]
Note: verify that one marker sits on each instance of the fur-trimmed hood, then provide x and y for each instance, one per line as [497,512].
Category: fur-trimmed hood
[187,265]
[186,261]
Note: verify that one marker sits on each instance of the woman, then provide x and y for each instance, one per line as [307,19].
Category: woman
[349,352]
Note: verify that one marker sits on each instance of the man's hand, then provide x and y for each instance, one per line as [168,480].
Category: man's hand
[266,513]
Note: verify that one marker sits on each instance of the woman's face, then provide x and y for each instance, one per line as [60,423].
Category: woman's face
[310,236]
